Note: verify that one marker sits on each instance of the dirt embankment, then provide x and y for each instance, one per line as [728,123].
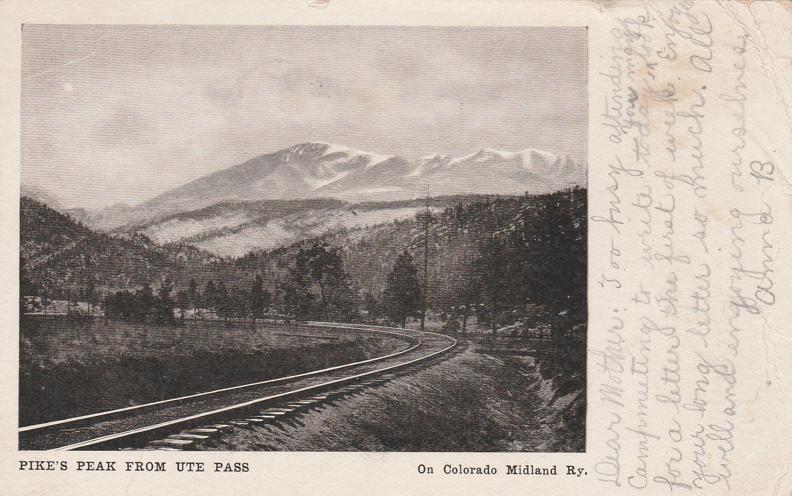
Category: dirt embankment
[69,369]
[470,402]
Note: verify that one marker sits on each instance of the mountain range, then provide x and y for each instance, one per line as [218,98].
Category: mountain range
[325,170]
[314,170]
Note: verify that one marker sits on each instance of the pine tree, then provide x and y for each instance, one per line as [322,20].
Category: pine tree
[144,303]
[371,306]
[183,302]
[238,303]
[192,295]
[164,303]
[495,270]
[403,292]
[259,298]
[222,301]
[90,294]
[210,296]
[322,267]
[26,287]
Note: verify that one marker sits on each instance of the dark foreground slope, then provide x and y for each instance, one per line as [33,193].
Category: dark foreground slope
[470,402]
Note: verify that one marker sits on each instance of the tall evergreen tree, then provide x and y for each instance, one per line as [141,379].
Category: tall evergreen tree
[26,286]
[210,296]
[192,295]
[164,303]
[494,277]
[259,298]
[183,302]
[238,302]
[403,292]
[89,294]
[222,301]
[372,307]
[145,303]
[320,267]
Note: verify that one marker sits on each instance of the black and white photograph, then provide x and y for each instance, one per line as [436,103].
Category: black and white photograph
[303,238]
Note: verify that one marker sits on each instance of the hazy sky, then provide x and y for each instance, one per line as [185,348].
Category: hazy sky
[118,114]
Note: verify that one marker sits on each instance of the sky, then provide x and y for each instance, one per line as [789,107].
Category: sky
[119,114]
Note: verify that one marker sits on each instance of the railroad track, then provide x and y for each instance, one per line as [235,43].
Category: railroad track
[179,423]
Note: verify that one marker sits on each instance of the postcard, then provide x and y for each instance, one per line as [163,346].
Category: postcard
[340,247]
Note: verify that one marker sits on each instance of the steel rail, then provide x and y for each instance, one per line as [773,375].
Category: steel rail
[154,427]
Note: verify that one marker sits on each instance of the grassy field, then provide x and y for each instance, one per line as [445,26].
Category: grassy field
[69,367]
[474,401]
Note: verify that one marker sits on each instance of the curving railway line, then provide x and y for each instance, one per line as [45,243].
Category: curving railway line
[178,423]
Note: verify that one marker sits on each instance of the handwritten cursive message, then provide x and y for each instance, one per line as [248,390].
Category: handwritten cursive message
[686,275]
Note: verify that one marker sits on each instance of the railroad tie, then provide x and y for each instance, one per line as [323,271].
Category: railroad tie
[283,409]
[172,443]
[219,427]
[324,400]
[264,419]
[203,431]
[274,413]
[187,436]
[310,404]
[253,420]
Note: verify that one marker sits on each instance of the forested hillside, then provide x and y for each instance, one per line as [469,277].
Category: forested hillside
[499,258]
[505,255]
[63,257]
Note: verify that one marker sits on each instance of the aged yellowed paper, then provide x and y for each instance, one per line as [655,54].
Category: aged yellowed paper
[404,247]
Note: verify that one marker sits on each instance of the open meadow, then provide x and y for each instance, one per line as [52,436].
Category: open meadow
[71,367]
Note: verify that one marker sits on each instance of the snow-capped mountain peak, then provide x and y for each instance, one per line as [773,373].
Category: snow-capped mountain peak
[532,155]
[329,170]
[324,151]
